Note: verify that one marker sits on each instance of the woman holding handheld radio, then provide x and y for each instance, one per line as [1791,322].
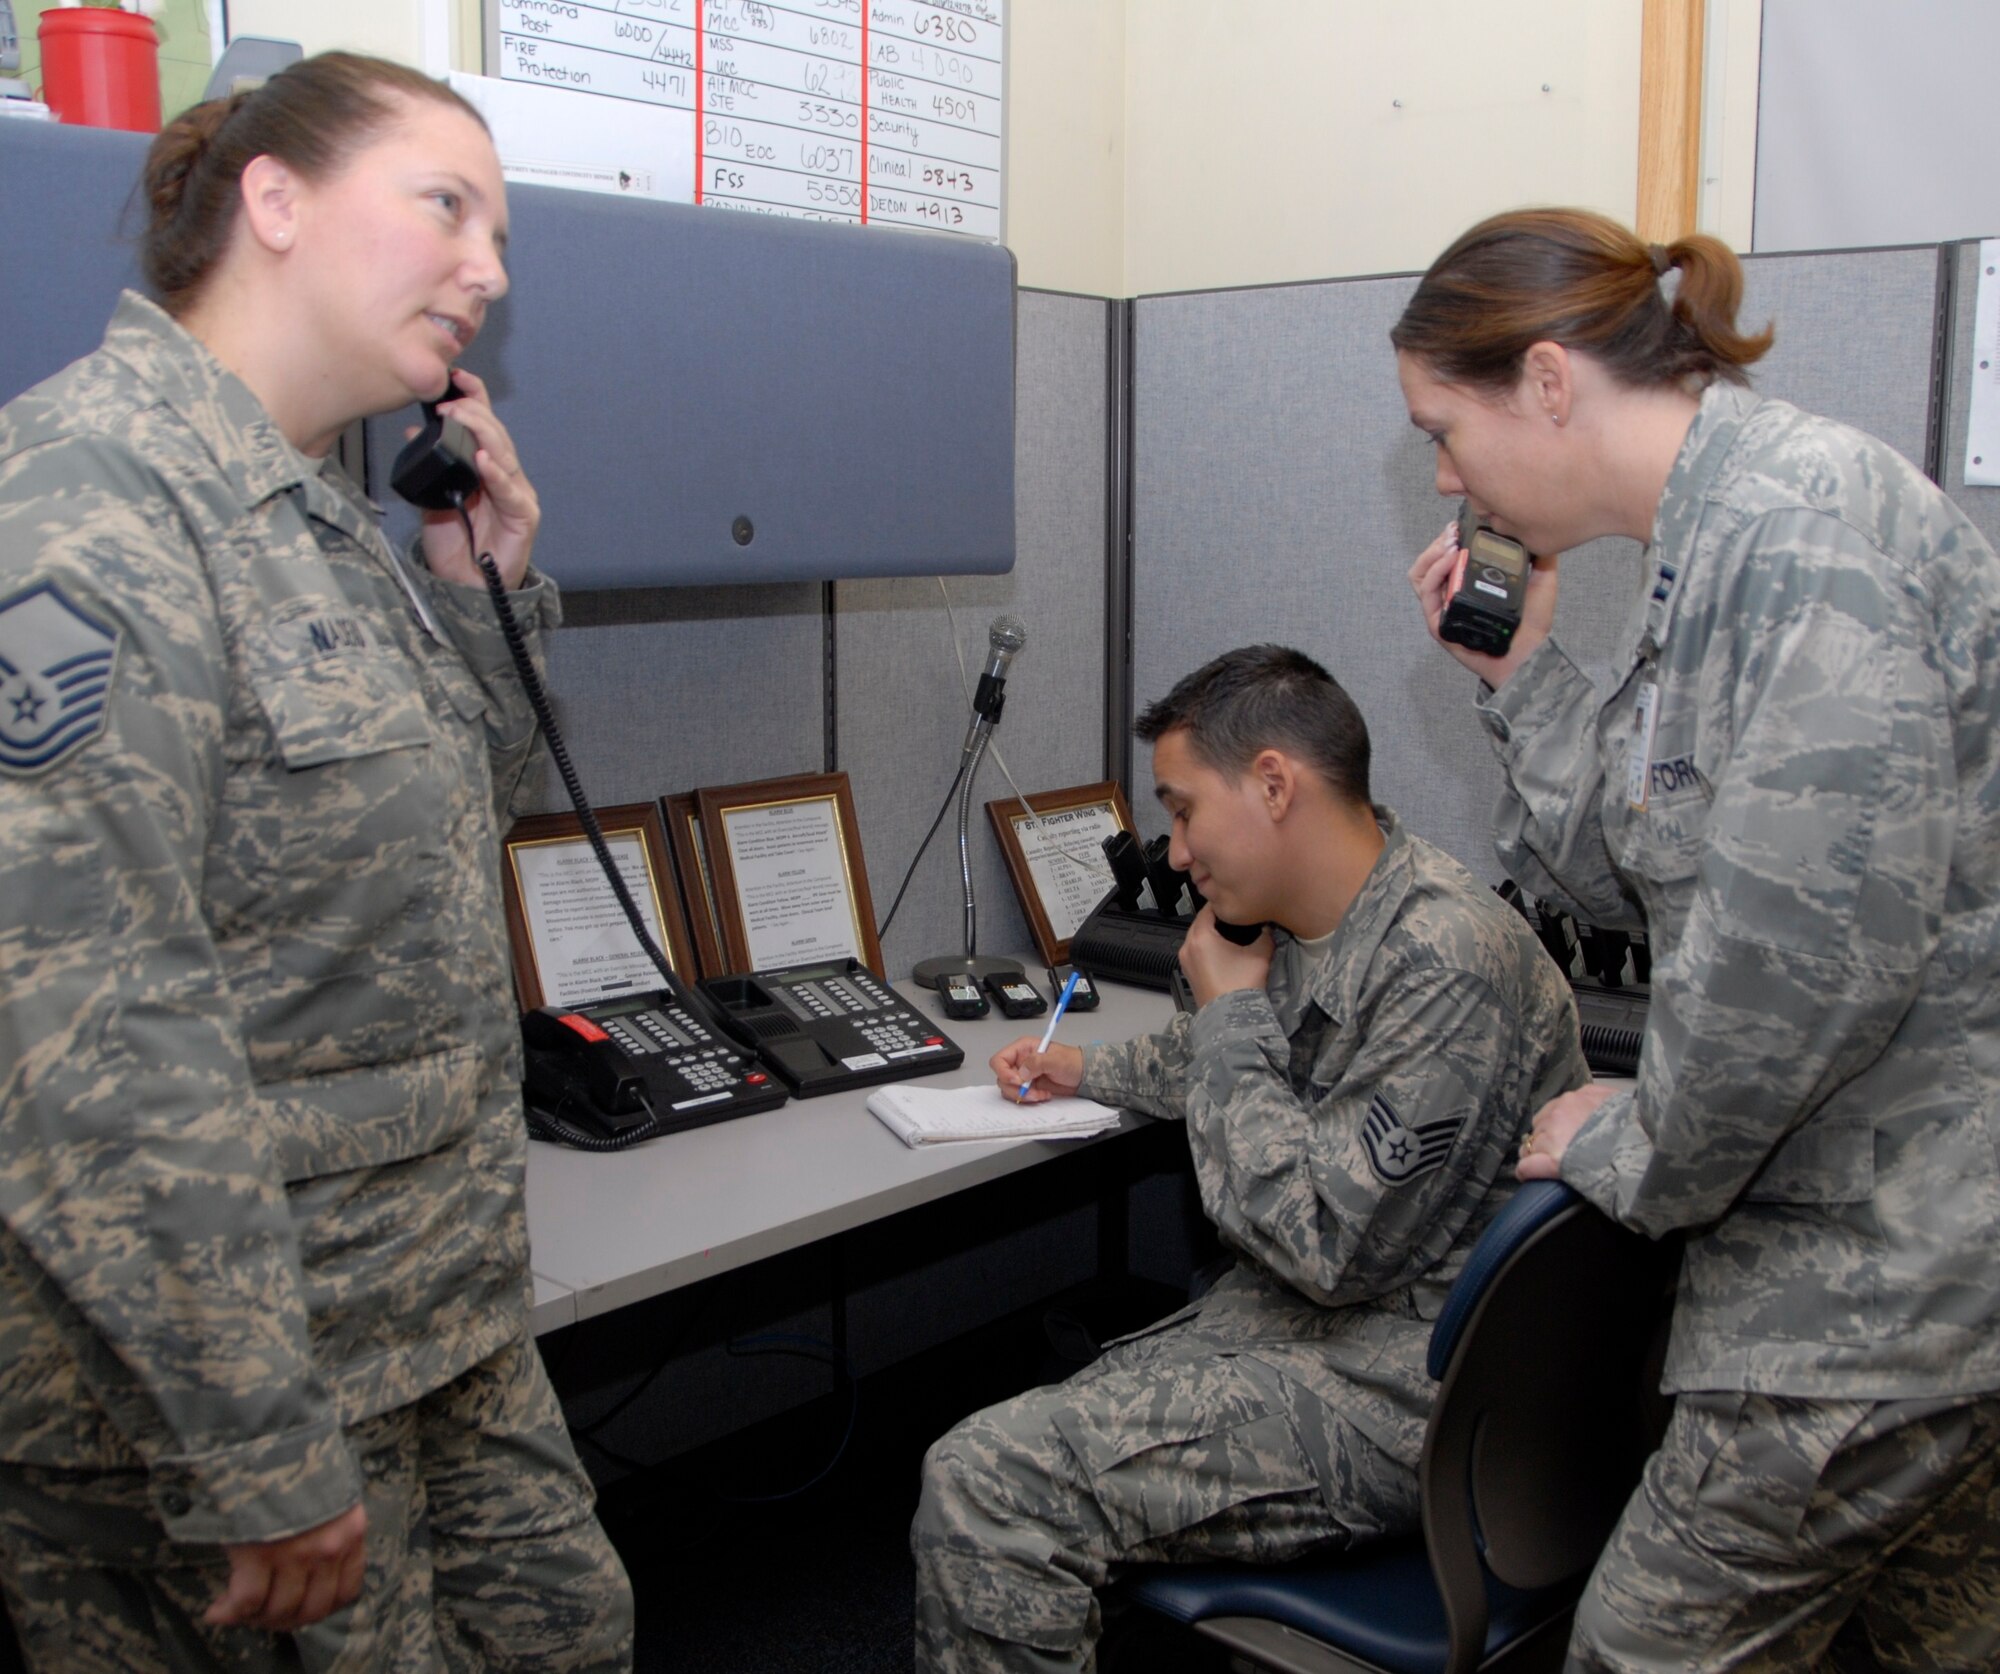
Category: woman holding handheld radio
[268,1396]
[1792,780]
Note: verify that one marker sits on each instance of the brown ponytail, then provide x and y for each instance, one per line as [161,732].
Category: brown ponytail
[1576,278]
[311,116]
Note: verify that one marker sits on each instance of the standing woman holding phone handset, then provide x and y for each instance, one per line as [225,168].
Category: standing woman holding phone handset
[1792,779]
[267,1392]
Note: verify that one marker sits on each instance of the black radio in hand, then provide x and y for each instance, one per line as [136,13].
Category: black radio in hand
[822,1028]
[1489,585]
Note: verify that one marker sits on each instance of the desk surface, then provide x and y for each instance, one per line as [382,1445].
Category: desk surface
[609,1230]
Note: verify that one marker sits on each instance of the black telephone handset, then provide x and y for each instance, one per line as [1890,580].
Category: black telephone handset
[435,470]
[578,1072]
[606,1075]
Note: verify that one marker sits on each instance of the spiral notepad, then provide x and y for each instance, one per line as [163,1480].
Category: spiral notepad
[941,1115]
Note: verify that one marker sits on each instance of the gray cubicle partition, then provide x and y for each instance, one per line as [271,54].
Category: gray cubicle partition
[703,398]
[899,715]
[1982,505]
[1280,493]
[64,249]
[663,690]
[666,689]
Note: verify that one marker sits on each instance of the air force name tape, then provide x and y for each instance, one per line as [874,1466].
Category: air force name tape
[55,674]
[1397,1153]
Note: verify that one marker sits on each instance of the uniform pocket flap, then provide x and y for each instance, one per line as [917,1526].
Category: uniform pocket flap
[1183,1448]
[342,708]
[1831,1162]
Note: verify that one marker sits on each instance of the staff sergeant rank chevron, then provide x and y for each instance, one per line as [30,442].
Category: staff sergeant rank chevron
[1398,1153]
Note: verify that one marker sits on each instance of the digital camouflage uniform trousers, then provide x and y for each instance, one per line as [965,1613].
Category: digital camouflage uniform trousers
[483,1553]
[1775,1534]
[1169,1449]
[1351,1126]
[1791,778]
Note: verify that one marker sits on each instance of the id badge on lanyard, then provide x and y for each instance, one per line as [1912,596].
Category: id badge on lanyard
[1639,758]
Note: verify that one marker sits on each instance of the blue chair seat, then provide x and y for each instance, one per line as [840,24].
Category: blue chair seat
[1379,1602]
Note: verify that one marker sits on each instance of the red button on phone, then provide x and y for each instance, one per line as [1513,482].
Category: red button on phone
[934,1040]
[757,1080]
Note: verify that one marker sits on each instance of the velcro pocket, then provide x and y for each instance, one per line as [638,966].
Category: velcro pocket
[332,691]
[1183,1449]
[1823,1162]
[1047,1618]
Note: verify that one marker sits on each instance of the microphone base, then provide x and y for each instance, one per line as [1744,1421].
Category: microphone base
[977,966]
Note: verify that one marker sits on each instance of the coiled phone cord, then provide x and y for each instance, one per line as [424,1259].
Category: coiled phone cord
[538,701]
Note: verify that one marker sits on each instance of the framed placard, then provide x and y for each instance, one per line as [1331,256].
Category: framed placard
[791,887]
[1055,855]
[572,944]
[682,816]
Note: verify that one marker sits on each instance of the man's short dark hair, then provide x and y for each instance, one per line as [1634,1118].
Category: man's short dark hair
[1264,697]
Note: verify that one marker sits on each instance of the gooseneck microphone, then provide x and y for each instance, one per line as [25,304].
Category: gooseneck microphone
[1004,638]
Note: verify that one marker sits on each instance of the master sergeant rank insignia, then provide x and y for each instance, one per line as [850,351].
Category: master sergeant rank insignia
[55,672]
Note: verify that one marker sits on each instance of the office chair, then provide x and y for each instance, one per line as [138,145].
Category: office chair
[1547,1358]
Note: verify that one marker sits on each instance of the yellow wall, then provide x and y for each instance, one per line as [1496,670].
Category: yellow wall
[1295,139]
[1066,143]
[388,28]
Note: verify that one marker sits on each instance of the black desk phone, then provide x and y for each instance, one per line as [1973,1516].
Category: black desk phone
[824,1028]
[1134,934]
[608,1069]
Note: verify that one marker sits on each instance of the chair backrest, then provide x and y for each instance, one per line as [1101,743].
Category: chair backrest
[1547,1357]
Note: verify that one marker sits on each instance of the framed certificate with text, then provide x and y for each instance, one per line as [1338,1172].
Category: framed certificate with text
[682,817]
[791,887]
[1055,855]
[572,942]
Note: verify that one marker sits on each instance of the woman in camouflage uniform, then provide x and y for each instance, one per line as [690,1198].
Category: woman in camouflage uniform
[267,1391]
[1792,780]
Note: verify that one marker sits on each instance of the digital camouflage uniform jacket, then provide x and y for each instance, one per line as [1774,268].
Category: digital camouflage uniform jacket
[261,1149]
[1809,826]
[1354,1124]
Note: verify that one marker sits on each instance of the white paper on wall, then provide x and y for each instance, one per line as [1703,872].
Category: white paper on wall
[549,136]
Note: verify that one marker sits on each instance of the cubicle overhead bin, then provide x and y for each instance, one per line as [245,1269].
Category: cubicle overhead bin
[705,397]
[723,397]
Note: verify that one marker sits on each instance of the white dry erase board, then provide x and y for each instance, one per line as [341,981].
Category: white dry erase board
[866,111]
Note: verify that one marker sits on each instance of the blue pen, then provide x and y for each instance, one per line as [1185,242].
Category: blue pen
[1055,1017]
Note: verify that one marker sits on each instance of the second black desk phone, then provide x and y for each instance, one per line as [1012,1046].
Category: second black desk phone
[603,1069]
[823,1028]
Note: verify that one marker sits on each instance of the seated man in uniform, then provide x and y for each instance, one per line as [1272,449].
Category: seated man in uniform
[1354,1084]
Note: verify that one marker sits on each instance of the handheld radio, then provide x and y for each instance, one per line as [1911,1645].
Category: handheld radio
[1489,584]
